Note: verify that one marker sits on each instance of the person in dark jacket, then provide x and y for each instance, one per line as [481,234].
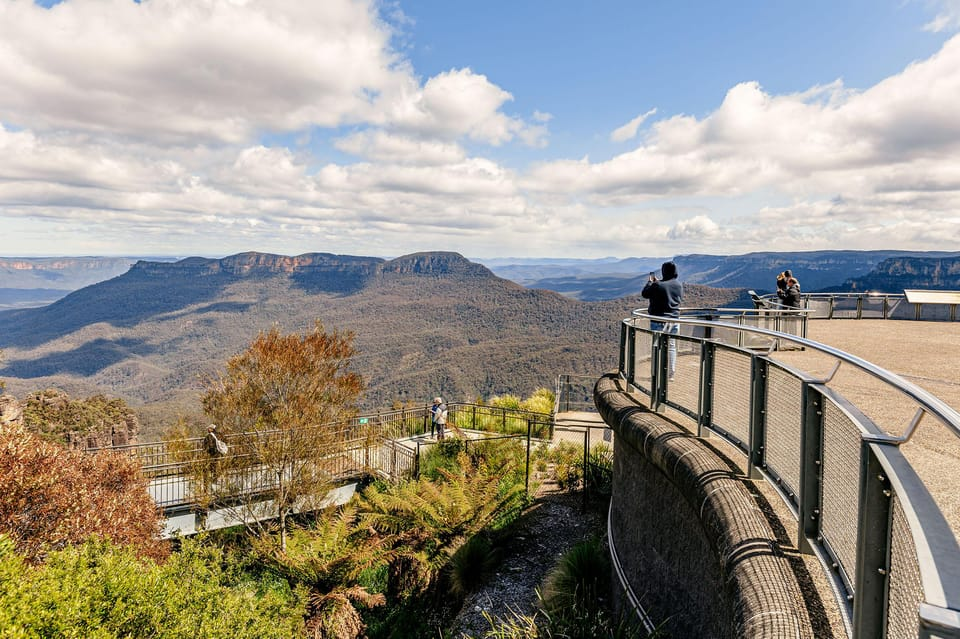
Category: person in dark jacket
[665,296]
[788,289]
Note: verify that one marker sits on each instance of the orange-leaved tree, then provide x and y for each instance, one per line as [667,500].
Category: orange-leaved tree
[290,395]
[51,497]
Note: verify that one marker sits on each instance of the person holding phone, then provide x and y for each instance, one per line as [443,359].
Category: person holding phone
[665,297]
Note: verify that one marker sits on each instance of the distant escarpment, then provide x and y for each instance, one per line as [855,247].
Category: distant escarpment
[895,274]
[426,324]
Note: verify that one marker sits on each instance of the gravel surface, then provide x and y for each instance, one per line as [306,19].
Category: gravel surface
[553,524]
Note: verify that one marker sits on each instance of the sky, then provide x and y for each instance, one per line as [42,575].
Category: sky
[494,128]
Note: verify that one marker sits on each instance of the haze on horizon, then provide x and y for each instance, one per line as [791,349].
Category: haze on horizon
[367,127]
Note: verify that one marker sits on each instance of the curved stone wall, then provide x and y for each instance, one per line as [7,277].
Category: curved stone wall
[692,541]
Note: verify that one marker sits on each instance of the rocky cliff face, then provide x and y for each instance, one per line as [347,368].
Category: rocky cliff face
[96,422]
[895,274]
[11,412]
[436,264]
[59,272]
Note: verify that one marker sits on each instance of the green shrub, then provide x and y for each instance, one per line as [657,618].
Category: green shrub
[598,475]
[471,565]
[580,580]
[567,459]
[541,401]
[100,591]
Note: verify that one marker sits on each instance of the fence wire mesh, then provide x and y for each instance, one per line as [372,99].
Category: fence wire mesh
[905,591]
[642,354]
[683,390]
[841,485]
[732,383]
[784,424]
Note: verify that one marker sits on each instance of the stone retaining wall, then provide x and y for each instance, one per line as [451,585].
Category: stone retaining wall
[689,534]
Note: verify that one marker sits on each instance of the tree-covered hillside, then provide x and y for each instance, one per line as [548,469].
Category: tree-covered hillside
[425,324]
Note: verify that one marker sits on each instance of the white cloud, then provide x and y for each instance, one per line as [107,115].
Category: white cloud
[629,130]
[458,103]
[901,136]
[209,69]
[385,147]
[166,121]
[947,18]
[696,228]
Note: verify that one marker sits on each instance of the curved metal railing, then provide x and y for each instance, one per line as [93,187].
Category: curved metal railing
[866,305]
[859,504]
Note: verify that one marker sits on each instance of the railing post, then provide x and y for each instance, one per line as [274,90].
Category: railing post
[622,364]
[758,416]
[705,399]
[630,354]
[416,462]
[658,371]
[873,548]
[586,463]
[526,480]
[811,468]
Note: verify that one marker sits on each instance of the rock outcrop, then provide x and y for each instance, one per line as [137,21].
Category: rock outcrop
[95,422]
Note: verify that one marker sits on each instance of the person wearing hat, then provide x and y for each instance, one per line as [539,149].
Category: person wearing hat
[215,448]
[437,402]
[441,414]
[212,443]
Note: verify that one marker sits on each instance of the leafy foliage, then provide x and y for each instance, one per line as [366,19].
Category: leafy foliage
[331,559]
[598,475]
[471,565]
[51,497]
[286,392]
[567,459]
[581,579]
[101,591]
[54,415]
[427,522]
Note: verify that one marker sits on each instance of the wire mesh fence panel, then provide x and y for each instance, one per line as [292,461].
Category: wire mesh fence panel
[841,485]
[731,382]
[763,319]
[819,308]
[642,355]
[872,307]
[784,422]
[899,308]
[905,588]
[938,312]
[846,307]
[683,389]
[575,393]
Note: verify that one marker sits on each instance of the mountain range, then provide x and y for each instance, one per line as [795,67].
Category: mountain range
[426,324]
[817,271]
[31,282]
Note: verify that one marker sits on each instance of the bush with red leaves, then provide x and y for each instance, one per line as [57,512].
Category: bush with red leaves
[51,497]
